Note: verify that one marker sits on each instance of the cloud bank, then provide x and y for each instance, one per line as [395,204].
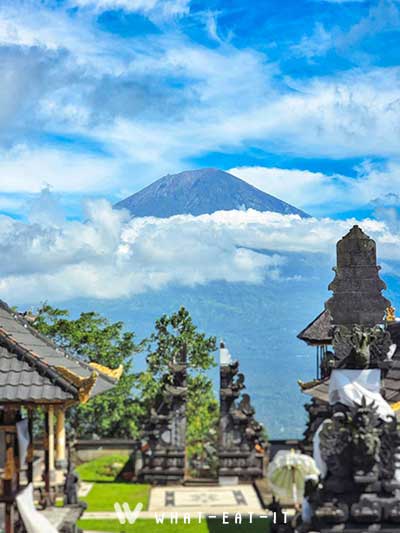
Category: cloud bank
[112,256]
[375,185]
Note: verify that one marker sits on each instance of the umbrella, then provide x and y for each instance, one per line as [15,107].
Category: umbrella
[287,474]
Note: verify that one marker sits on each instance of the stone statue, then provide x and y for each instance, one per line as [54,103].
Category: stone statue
[365,442]
[361,347]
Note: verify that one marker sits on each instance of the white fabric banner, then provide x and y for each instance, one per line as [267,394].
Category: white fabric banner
[34,521]
[225,357]
[351,386]
[317,452]
[23,440]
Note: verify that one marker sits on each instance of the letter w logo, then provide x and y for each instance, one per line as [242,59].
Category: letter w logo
[125,514]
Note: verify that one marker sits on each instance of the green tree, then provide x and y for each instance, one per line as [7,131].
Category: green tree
[202,428]
[92,338]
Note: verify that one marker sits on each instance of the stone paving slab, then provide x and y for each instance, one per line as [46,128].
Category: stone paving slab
[84,489]
[216,500]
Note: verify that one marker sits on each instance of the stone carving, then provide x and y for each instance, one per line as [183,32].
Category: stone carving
[164,443]
[361,347]
[360,449]
[335,442]
[387,459]
[241,443]
[317,411]
[365,442]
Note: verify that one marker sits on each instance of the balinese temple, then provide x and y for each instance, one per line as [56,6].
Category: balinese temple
[36,375]
[356,396]
[241,446]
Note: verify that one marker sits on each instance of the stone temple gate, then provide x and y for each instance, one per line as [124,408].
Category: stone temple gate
[241,445]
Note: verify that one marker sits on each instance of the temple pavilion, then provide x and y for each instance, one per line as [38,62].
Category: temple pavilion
[36,375]
[319,333]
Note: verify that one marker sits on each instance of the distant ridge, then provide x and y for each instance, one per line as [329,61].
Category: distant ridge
[199,192]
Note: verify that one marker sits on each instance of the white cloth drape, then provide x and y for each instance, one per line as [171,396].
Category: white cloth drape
[34,521]
[351,386]
[317,452]
[23,440]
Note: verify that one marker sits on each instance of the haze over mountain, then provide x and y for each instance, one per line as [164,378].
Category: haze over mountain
[199,192]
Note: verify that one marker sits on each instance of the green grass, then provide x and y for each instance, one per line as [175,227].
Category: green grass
[148,526]
[103,496]
[141,526]
[103,469]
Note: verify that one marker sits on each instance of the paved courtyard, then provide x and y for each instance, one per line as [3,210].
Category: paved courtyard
[209,501]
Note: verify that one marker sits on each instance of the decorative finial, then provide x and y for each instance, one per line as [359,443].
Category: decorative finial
[390,314]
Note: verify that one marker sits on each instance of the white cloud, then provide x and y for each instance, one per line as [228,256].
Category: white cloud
[113,256]
[300,188]
[25,169]
[382,16]
[154,103]
[164,8]
[374,185]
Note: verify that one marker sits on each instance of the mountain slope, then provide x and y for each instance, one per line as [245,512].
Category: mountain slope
[202,191]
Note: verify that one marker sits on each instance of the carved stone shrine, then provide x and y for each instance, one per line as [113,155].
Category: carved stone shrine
[163,451]
[358,441]
[241,442]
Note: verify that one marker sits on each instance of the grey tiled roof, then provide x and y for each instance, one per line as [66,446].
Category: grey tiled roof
[29,361]
[21,382]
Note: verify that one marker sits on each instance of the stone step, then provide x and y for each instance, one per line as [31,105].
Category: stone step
[200,482]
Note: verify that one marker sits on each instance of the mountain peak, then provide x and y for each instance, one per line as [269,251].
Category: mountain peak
[201,191]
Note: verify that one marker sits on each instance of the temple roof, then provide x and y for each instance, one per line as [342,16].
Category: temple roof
[391,385]
[20,382]
[319,331]
[33,369]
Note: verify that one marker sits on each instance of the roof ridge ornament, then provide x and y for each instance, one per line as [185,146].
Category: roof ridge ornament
[84,385]
[113,373]
[390,314]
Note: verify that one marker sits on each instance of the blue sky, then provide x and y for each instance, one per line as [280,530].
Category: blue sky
[101,97]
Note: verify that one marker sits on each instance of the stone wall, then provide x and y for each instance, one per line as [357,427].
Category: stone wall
[87,450]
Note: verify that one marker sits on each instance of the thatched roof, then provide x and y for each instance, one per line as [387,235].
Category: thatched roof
[319,331]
